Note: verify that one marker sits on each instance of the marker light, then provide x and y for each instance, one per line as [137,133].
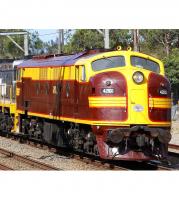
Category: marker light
[138,77]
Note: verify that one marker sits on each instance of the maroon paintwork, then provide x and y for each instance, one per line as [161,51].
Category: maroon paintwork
[72,102]
[118,82]
[155,83]
[42,99]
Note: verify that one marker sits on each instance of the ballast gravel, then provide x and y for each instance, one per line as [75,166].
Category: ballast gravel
[45,156]
[175,132]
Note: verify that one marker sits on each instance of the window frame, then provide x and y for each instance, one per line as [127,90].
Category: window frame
[18,74]
[106,58]
[83,73]
[142,67]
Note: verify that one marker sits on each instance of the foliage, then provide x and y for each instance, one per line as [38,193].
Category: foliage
[84,39]
[121,38]
[159,42]
[90,39]
[10,50]
[36,45]
[7,48]
[51,47]
[172,66]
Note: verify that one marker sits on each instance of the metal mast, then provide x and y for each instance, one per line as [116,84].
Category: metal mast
[136,39]
[25,49]
[105,34]
[60,40]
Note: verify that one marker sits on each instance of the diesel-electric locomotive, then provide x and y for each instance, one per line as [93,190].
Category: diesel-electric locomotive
[115,104]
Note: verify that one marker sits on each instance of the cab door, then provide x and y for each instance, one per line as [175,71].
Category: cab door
[26,93]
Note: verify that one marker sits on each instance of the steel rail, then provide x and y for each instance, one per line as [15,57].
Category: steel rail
[173,146]
[97,163]
[4,167]
[28,161]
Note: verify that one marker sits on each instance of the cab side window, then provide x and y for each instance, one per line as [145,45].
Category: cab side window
[83,74]
[18,74]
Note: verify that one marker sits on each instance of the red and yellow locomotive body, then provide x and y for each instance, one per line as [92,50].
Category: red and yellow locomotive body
[113,104]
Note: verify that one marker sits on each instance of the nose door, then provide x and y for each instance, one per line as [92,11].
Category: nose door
[138,106]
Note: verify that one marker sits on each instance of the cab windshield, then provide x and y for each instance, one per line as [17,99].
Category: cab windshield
[108,62]
[145,64]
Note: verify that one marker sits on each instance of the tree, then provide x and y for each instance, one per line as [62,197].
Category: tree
[36,45]
[172,72]
[159,42]
[7,48]
[84,39]
[51,47]
[172,66]
[90,39]
[120,37]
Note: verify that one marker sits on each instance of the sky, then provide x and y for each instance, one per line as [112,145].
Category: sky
[46,34]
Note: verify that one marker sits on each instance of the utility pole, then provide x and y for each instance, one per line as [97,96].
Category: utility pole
[105,34]
[26,51]
[60,40]
[106,38]
[9,34]
[136,39]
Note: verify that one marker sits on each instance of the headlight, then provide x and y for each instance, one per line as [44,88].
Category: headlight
[114,150]
[138,77]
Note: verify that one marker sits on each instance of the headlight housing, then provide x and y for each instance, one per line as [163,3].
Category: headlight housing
[138,77]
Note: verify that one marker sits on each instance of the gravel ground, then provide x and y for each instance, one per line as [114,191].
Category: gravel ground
[175,132]
[14,164]
[56,160]
[175,127]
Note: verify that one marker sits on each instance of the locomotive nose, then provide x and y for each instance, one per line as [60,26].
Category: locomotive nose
[108,99]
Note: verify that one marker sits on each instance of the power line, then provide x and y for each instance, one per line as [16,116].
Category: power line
[41,35]
[48,34]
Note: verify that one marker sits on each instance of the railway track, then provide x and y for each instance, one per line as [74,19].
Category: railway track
[173,146]
[104,165]
[174,155]
[35,165]
[4,167]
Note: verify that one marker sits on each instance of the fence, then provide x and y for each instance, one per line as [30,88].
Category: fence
[7,93]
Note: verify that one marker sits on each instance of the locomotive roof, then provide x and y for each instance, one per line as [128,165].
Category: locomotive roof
[79,58]
[59,60]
